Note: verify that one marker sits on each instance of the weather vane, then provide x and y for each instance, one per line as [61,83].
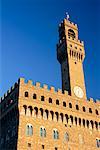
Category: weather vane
[67,15]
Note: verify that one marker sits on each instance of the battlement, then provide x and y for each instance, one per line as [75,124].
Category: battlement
[52,89]
[30,83]
[38,85]
[8,92]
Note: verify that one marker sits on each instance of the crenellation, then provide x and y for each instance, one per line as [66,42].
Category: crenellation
[81,42]
[97,101]
[30,83]
[65,92]
[45,87]
[38,85]
[21,81]
[59,91]
[52,89]
[91,100]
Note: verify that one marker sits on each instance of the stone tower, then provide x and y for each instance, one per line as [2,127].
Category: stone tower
[37,117]
[70,54]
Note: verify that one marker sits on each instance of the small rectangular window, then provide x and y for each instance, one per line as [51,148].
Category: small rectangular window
[77,107]
[29,144]
[42,98]
[42,146]
[98,143]
[90,110]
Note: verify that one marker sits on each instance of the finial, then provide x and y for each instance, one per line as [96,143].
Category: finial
[67,15]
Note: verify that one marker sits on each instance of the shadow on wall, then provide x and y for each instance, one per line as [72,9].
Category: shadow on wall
[9,119]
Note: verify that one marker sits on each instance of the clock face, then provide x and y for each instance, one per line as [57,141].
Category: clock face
[78,91]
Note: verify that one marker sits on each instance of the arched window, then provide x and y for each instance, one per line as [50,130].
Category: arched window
[42,132]
[90,110]
[66,116]
[57,115]
[84,109]
[31,109]
[55,134]
[98,143]
[77,107]
[66,136]
[29,130]
[87,122]
[70,105]
[34,96]
[96,111]
[50,100]
[64,104]
[47,113]
[41,110]
[84,122]
[96,125]
[52,114]
[76,120]
[36,111]
[57,102]
[71,117]
[42,98]
[25,108]
[92,124]
[71,33]
[80,121]
[26,94]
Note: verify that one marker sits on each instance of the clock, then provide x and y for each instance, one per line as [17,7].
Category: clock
[78,91]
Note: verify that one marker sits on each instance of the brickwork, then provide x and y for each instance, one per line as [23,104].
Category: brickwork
[37,117]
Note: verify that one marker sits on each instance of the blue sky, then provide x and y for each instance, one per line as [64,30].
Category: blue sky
[29,34]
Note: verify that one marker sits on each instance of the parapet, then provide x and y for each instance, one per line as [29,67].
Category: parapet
[30,83]
[92,101]
[9,91]
[67,22]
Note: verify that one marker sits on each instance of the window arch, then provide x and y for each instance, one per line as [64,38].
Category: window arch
[42,98]
[34,96]
[55,134]
[64,104]
[29,130]
[42,132]
[92,124]
[71,117]
[84,122]
[70,105]
[84,109]
[71,33]
[57,115]
[87,122]
[66,136]
[96,111]
[50,100]
[77,107]
[90,110]
[52,114]
[96,125]
[36,111]
[26,94]
[57,102]
[25,108]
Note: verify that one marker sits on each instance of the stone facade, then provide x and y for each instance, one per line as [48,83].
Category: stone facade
[37,117]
